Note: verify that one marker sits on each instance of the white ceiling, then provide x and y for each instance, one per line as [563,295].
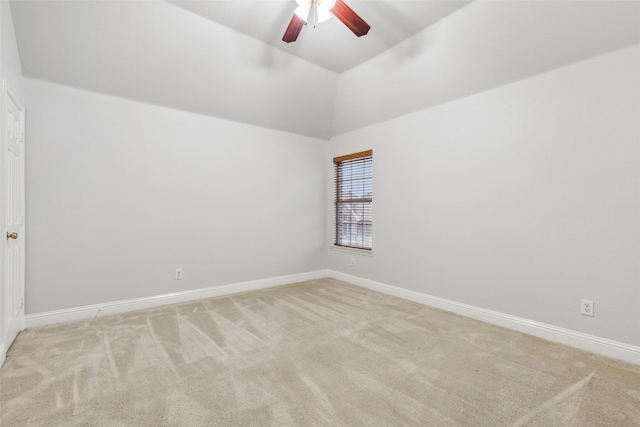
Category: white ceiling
[226,59]
[330,45]
[223,59]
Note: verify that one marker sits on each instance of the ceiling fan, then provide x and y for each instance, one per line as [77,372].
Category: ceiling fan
[320,11]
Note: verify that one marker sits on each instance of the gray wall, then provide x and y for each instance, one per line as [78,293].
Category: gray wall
[121,193]
[11,67]
[523,199]
[514,194]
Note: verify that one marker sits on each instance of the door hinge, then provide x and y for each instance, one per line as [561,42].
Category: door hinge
[21,302]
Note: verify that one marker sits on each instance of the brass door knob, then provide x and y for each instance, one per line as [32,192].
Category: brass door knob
[13,235]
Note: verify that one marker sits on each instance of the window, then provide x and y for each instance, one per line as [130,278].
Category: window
[354,200]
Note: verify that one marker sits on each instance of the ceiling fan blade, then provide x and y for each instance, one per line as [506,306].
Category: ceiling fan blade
[294,28]
[350,18]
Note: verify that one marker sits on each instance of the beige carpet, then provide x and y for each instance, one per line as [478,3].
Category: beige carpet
[311,354]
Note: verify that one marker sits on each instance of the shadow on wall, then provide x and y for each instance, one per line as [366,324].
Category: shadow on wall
[408,49]
[267,56]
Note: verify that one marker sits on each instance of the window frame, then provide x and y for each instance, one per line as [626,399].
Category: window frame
[349,170]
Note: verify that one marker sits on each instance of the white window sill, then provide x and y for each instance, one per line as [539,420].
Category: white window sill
[351,250]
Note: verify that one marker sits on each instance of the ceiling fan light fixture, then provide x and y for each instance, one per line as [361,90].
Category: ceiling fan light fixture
[326,4]
[302,11]
[322,11]
[323,14]
[322,8]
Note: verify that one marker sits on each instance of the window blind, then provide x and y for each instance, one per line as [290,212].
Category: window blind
[354,200]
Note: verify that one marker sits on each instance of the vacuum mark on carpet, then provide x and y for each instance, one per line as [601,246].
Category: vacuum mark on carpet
[554,400]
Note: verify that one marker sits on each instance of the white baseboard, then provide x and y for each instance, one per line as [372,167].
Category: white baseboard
[591,343]
[117,307]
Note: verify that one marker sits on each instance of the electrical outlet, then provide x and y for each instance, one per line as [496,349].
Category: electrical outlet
[352,263]
[178,275]
[586,307]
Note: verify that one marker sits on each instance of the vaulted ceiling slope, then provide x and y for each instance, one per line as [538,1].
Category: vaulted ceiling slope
[226,58]
[485,45]
[157,52]
[330,45]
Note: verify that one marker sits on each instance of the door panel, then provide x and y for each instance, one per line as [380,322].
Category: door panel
[13,195]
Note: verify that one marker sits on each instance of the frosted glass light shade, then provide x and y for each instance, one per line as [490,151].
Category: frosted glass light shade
[323,14]
[323,8]
[303,12]
[326,4]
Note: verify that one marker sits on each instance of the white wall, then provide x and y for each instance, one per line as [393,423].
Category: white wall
[522,200]
[11,67]
[120,193]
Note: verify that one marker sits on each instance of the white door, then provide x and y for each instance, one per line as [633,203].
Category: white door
[13,201]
